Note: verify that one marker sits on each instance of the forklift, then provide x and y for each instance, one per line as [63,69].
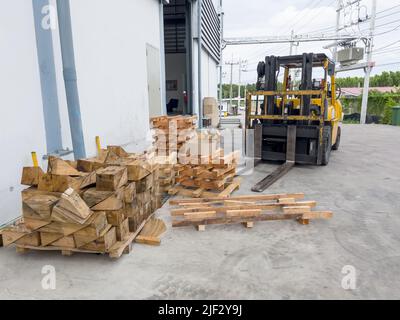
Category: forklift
[295,122]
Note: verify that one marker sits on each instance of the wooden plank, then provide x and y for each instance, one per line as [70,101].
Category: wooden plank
[243,213]
[110,204]
[65,242]
[153,241]
[47,238]
[199,215]
[317,215]
[229,220]
[32,239]
[257,197]
[235,184]
[296,209]
[266,206]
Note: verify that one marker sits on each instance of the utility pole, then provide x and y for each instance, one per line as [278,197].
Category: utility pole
[231,63]
[338,11]
[241,62]
[364,103]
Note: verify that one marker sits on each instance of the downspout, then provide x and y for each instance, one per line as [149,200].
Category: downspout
[162,58]
[199,4]
[70,79]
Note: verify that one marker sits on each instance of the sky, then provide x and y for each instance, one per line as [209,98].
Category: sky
[259,18]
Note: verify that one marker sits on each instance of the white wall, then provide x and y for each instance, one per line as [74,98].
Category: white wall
[175,69]
[21,116]
[110,52]
[209,76]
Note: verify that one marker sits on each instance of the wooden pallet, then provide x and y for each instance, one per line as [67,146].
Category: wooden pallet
[200,192]
[120,247]
[245,209]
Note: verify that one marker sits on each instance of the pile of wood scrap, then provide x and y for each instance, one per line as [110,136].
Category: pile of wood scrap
[96,205]
[170,134]
[245,209]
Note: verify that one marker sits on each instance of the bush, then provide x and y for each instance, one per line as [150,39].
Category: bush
[388,111]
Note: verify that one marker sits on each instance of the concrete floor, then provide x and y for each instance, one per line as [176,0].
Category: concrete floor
[274,260]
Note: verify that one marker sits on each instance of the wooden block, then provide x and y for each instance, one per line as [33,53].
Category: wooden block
[201,227]
[144,184]
[87,235]
[21,250]
[103,243]
[111,178]
[34,224]
[72,207]
[119,151]
[31,239]
[249,224]
[61,227]
[13,233]
[47,238]
[87,180]
[58,183]
[40,204]
[67,252]
[123,230]
[60,167]
[112,203]
[138,170]
[130,192]
[93,196]
[31,176]
[65,242]
[115,218]
[90,164]
[303,221]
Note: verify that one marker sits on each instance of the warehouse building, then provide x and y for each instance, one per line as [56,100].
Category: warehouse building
[97,68]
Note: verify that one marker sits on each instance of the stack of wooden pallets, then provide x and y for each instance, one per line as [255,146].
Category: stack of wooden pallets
[96,205]
[204,170]
[245,209]
[170,134]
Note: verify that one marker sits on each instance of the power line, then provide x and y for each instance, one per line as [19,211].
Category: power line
[388,9]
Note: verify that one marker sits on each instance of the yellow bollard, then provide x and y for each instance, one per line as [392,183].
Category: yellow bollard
[34,159]
[98,145]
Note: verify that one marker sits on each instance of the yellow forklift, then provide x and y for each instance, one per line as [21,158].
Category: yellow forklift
[295,122]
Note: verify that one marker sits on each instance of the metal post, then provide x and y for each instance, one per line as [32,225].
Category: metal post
[364,103]
[199,4]
[220,63]
[231,82]
[240,78]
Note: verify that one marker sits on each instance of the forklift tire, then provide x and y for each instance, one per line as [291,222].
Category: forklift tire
[337,142]
[327,145]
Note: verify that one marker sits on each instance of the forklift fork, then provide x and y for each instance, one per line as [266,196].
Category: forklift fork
[284,168]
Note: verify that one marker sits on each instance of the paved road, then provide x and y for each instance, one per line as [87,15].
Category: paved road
[279,259]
